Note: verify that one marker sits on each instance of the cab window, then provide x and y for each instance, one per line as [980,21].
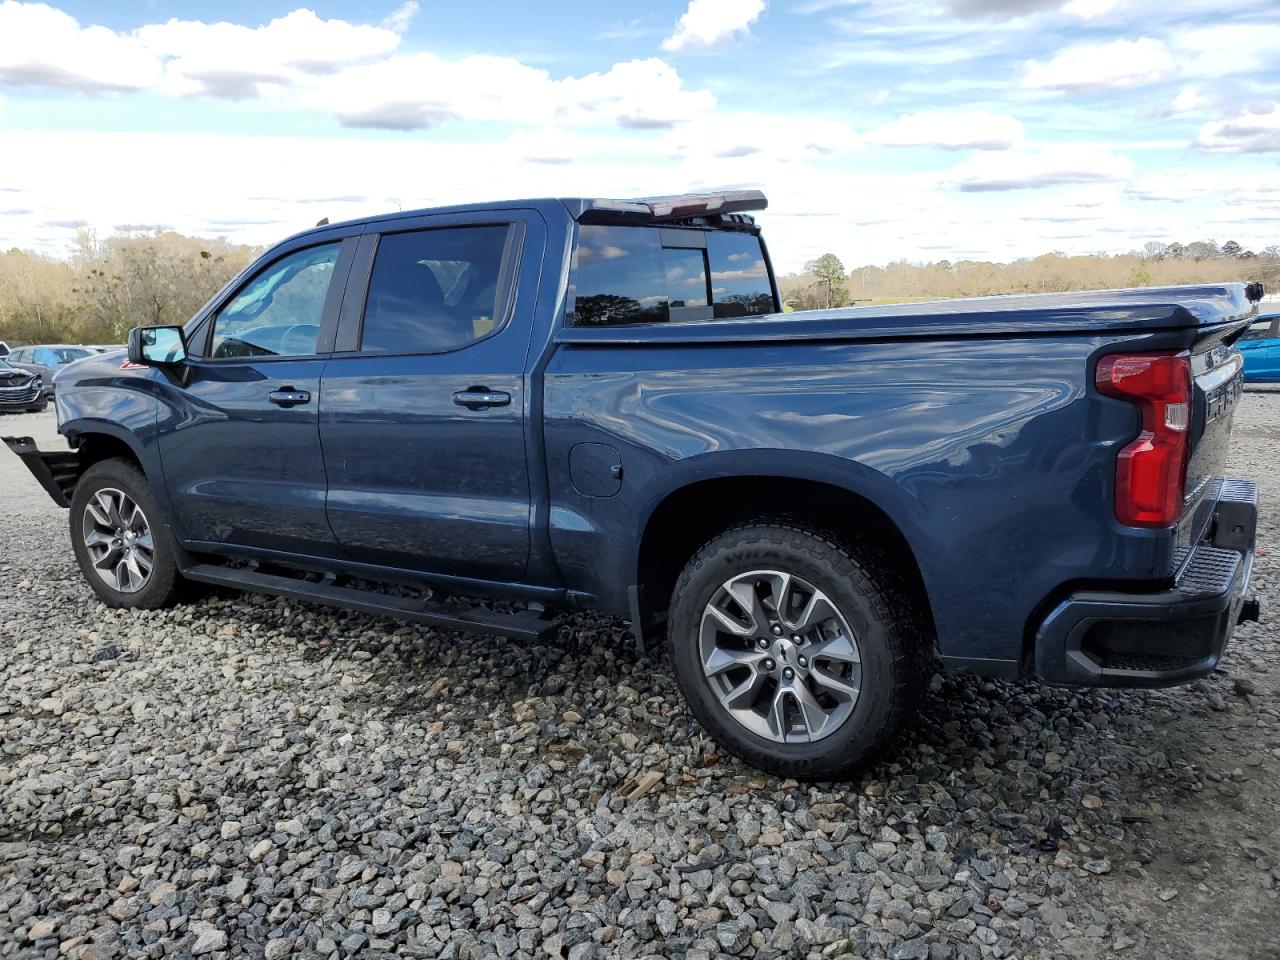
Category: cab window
[432,291]
[631,275]
[740,283]
[278,313]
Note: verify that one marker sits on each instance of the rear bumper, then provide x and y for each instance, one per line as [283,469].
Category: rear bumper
[1119,638]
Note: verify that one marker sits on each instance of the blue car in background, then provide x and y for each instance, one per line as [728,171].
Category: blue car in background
[1260,348]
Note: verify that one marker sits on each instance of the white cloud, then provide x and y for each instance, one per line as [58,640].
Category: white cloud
[234,61]
[815,207]
[1091,9]
[1104,66]
[1229,48]
[1255,130]
[1193,100]
[422,90]
[351,70]
[1000,9]
[44,47]
[1038,168]
[956,130]
[709,23]
[755,137]
[401,17]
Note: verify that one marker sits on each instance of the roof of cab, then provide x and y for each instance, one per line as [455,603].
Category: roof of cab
[648,209]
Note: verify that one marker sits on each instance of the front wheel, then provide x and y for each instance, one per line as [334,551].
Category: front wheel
[792,653]
[123,549]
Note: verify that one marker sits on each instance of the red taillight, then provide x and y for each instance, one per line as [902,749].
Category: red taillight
[1152,470]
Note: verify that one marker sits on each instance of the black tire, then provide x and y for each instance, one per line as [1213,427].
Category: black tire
[165,586]
[892,641]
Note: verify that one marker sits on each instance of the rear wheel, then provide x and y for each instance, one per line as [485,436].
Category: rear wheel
[123,549]
[792,653]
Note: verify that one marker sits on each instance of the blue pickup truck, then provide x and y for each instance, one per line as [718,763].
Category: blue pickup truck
[563,404]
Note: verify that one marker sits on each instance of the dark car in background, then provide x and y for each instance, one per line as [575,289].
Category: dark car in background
[21,390]
[47,359]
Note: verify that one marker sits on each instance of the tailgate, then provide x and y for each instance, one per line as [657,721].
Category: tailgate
[1218,372]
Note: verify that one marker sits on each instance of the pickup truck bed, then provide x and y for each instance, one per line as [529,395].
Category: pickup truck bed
[598,404]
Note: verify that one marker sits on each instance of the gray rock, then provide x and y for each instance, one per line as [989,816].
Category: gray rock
[208,938]
[733,936]
[916,949]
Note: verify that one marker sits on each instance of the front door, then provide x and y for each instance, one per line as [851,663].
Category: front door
[423,418]
[241,454]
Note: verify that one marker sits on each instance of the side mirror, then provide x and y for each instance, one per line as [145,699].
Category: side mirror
[157,345]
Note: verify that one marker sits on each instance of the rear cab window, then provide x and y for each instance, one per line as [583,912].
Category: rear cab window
[437,290]
[648,274]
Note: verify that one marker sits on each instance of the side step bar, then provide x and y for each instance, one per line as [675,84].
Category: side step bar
[474,620]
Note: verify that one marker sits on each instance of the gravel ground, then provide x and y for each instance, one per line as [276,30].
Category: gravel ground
[251,776]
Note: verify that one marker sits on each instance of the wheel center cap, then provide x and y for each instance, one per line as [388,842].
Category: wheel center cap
[784,651]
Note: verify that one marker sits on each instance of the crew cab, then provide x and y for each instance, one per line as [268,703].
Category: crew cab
[586,403]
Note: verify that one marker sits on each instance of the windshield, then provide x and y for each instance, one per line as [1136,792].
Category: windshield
[67,354]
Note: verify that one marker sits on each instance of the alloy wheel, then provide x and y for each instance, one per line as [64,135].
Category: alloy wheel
[780,656]
[118,539]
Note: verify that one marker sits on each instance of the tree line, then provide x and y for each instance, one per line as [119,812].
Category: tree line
[105,287]
[825,282]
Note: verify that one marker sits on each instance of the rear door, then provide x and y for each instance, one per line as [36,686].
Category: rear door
[424,405]
[241,445]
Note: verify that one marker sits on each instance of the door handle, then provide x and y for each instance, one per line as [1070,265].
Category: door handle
[288,397]
[479,398]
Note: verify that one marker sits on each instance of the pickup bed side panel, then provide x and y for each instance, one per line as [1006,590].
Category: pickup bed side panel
[991,455]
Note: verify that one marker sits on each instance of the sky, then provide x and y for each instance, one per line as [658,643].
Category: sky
[880,130]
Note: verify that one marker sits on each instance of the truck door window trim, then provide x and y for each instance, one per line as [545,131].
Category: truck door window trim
[350,336]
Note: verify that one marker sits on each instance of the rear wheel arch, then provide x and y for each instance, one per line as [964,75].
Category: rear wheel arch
[690,516]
